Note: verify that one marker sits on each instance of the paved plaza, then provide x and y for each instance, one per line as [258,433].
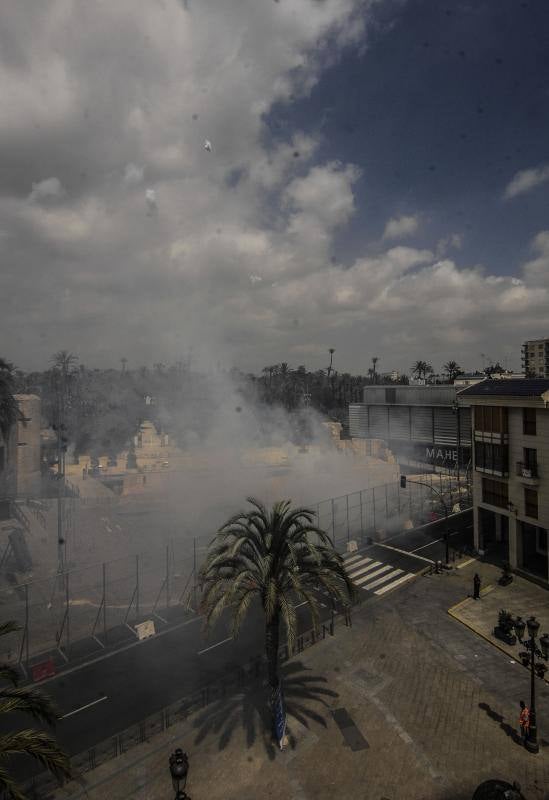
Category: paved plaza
[410,703]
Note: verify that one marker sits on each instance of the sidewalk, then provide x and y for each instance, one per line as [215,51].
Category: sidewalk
[408,704]
[520,598]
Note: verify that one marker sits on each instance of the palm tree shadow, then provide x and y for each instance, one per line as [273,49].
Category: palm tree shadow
[249,710]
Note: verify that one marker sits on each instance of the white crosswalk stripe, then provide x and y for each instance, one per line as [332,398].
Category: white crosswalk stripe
[373,574]
[364,568]
[395,583]
[349,559]
[356,564]
[387,577]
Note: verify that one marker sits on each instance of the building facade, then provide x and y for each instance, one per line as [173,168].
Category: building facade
[535,358]
[20,455]
[422,425]
[511,471]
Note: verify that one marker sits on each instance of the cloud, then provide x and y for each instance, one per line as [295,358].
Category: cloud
[47,190]
[150,200]
[398,227]
[452,242]
[120,104]
[525,180]
[133,174]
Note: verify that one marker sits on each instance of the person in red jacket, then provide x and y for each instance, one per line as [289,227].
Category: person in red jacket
[524,720]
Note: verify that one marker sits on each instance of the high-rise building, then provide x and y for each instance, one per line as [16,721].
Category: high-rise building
[535,358]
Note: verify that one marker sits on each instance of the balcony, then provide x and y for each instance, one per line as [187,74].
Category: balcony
[528,473]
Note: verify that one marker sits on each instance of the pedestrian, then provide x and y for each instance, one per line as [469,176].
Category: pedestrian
[476,586]
[524,721]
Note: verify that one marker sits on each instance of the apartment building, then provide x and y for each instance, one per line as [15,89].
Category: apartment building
[510,426]
[535,358]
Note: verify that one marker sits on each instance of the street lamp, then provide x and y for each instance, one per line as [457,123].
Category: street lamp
[532,650]
[179,767]
[403,481]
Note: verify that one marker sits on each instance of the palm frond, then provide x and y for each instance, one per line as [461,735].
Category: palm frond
[10,674]
[9,787]
[9,627]
[28,701]
[40,746]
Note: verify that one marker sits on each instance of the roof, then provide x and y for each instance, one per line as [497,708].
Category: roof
[508,387]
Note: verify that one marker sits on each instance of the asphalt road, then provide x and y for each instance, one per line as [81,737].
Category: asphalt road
[98,700]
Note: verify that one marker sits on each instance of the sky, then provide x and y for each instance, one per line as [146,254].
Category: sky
[256,181]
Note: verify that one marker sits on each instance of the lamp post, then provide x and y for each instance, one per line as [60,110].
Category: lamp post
[179,767]
[533,650]
[403,480]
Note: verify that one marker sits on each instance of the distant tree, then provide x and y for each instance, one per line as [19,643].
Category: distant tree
[452,369]
[494,368]
[64,361]
[421,369]
[331,351]
[38,744]
[375,359]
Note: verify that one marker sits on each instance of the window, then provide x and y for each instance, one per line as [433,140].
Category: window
[491,419]
[531,503]
[495,493]
[529,421]
[492,457]
[390,395]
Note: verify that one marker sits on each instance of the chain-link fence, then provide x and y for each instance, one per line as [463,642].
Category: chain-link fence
[75,612]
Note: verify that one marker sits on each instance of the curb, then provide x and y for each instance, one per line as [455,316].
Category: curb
[483,635]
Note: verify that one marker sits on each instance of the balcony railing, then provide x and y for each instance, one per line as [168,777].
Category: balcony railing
[527,471]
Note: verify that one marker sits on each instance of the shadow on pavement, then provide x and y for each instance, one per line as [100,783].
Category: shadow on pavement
[509,730]
[249,709]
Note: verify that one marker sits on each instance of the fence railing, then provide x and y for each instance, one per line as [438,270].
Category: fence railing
[40,786]
[91,601]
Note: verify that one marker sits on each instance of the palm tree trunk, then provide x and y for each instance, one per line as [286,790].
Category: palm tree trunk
[276,700]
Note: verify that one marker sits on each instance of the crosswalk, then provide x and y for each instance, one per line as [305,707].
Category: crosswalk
[374,576]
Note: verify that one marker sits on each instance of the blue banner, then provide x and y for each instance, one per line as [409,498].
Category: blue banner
[279,714]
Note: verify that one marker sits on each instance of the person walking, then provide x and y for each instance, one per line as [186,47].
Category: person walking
[476,586]
[524,721]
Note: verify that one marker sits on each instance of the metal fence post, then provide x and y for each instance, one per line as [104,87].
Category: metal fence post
[386,503]
[105,601]
[361,516]
[137,585]
[194,572]
[348,528]
[374,504]
[333,522]
[167,576]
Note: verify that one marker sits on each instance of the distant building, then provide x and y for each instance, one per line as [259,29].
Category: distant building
[511,471]
[20,455]
[422,425]
[535,358]
[470,378]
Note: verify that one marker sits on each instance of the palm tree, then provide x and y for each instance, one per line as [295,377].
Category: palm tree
[124,361]
[8,404]
[452,369]
[38,744]
[375,359]
[331,351]
[278,557]
[64,361]
[421,369]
